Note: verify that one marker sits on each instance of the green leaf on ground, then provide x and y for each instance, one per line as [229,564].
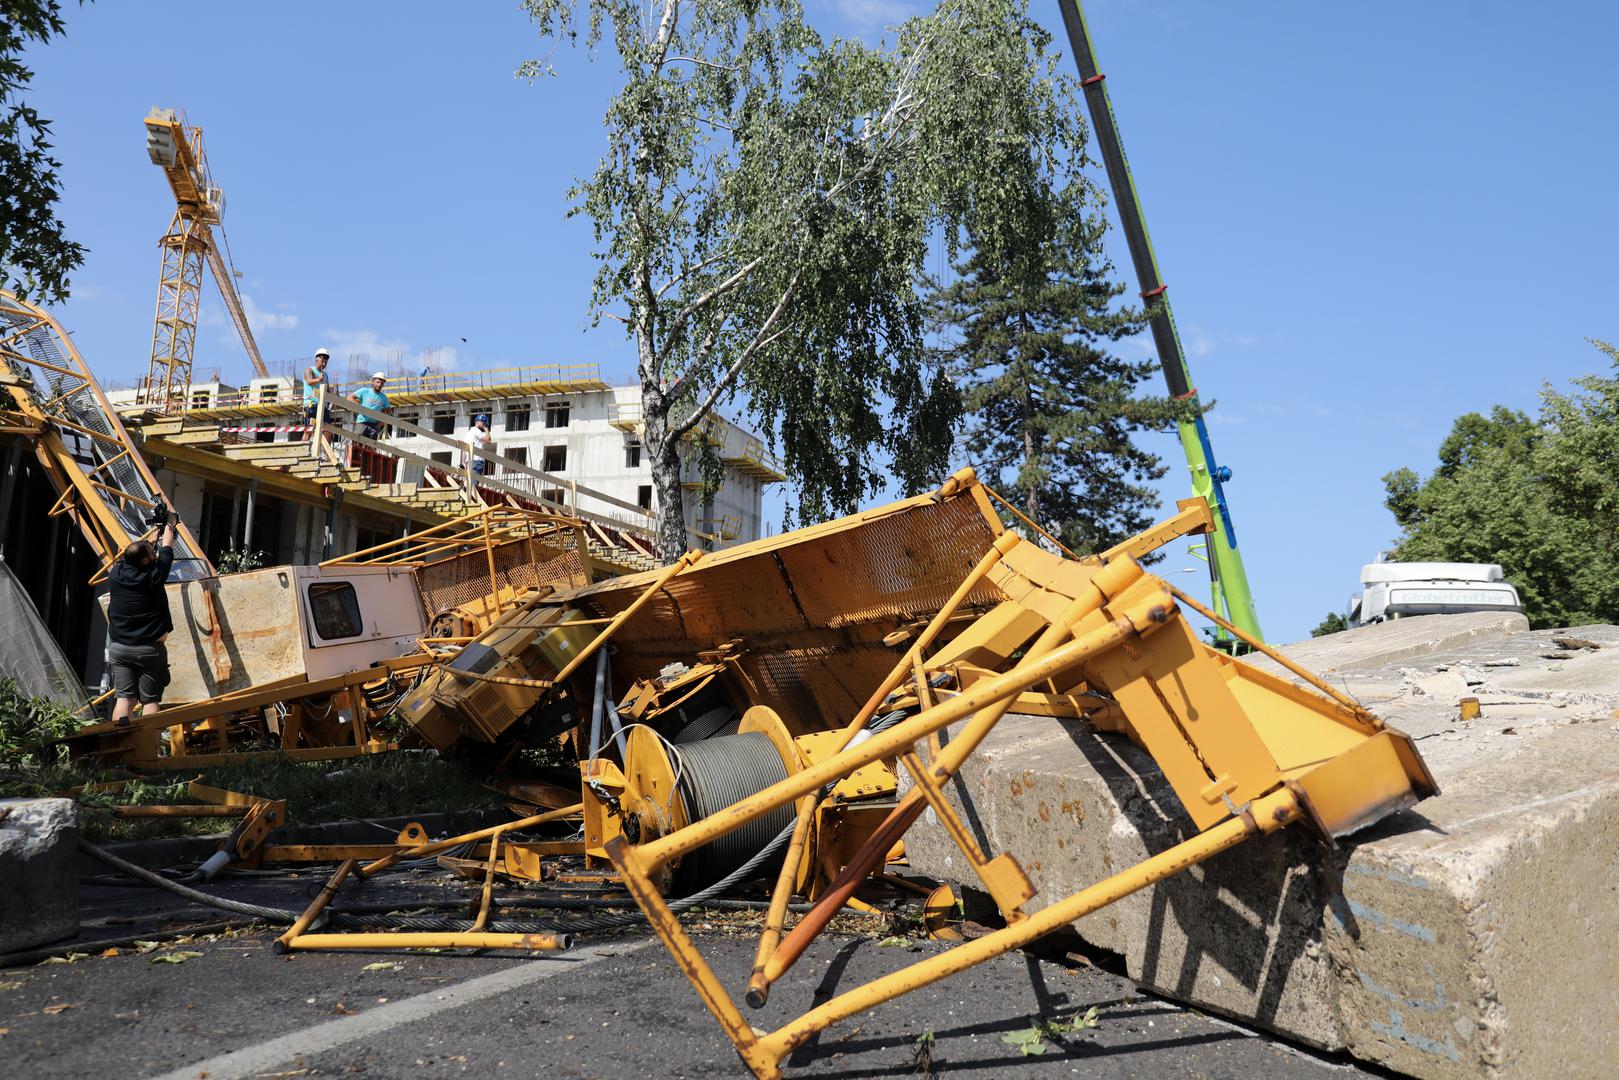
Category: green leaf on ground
[1032,1040]
[382,965]
[1029,1041]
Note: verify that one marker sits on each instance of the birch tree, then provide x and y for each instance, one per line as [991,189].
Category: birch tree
[763,210]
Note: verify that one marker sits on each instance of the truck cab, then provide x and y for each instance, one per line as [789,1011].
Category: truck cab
[1393,590]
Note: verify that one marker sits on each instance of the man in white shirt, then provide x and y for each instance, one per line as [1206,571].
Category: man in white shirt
[478,439]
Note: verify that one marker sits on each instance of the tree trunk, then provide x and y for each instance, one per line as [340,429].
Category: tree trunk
[665,460]
[1031,450]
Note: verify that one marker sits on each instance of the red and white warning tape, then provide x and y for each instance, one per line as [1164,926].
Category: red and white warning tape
[288,427]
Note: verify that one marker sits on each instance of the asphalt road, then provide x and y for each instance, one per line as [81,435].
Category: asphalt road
[609,1009]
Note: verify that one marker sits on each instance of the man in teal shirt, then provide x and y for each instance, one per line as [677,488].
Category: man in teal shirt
[372,397]
[314,377]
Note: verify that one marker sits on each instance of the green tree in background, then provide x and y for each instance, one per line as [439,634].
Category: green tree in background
[1334,623]
[35,255]
[1050,410]
[1526,493]
[1581,452]
[763,209]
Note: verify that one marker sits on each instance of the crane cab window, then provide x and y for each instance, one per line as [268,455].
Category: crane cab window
[335,609]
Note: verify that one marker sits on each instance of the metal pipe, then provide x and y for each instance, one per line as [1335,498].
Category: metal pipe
[776,917]
[284,942]
[178,811]
[428,940]
[596,705]
[1267,815]
[435,846]
[488,885]
[617,722]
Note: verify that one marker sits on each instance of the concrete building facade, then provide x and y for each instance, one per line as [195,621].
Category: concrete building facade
[567,423]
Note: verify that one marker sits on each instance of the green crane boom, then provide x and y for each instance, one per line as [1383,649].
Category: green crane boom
[1228,578]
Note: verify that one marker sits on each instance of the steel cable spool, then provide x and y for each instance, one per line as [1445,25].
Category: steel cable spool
[715,722]
[717,773]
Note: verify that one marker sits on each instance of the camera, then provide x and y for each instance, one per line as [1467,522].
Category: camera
[160,515]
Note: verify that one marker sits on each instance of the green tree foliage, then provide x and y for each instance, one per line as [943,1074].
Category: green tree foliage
[1581,450]
[29,727]
[1334,623]
[762,211]
[35,255]
[1051,411]
[1516,490]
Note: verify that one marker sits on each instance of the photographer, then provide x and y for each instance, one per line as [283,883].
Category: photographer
[138,620]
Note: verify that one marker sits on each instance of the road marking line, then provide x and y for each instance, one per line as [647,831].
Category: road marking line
[264,1057]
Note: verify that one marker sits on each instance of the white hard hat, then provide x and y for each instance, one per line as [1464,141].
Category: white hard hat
[379,375]
[322,352]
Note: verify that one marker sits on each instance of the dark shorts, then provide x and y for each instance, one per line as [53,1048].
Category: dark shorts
[371,431]
[139,671]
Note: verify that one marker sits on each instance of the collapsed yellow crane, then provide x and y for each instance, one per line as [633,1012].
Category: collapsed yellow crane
[199,206]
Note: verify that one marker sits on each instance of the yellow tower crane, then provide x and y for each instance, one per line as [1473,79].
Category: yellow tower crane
[199,206]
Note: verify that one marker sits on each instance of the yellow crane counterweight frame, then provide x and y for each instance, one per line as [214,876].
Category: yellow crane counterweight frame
[1246,753]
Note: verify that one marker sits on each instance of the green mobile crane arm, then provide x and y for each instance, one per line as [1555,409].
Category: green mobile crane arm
[1229,580]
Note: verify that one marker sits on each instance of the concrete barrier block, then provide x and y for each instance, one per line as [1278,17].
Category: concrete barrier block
[39,872]
[1474,936]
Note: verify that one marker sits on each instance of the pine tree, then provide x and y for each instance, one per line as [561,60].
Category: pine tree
[1050,409]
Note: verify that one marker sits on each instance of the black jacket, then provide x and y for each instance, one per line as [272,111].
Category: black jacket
[138,606]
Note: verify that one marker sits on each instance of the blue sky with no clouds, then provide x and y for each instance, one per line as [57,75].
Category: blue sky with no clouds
[1372,217]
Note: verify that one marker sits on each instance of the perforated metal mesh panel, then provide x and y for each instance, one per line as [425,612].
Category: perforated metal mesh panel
[453,582]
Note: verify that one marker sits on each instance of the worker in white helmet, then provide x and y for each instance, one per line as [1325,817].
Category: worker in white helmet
[376,398]
[314,379]
[479,439]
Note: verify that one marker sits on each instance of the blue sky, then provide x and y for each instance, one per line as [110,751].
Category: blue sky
[1372,218]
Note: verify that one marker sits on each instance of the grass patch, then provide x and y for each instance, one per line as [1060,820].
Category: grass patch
[409,782]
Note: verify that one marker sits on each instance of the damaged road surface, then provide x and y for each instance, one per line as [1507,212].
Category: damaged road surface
[235,1009]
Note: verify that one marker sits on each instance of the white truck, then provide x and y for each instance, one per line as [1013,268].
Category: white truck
[1392,590]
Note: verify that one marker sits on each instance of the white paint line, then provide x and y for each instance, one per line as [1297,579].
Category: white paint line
[253,1060]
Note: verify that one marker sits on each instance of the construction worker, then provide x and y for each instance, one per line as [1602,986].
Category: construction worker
[373,397]
[138,620]
[314,379]
[478,439]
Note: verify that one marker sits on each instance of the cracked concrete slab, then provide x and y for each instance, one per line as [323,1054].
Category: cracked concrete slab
[1467,937]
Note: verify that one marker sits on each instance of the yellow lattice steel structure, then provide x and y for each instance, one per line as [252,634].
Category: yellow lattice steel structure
[104,486]
[199,205]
